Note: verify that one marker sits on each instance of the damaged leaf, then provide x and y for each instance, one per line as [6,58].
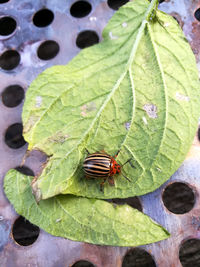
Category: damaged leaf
[81,219]
[137,93]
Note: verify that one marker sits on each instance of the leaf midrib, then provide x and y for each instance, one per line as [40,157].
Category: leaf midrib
[117,84]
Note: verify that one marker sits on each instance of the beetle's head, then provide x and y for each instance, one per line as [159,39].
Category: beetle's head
[118,168]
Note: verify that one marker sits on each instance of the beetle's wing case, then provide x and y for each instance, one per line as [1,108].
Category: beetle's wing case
[97,165]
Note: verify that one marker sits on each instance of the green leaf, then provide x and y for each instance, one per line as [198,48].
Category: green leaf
[137,92]
[82,219]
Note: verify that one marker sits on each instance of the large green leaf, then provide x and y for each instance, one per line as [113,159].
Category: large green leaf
[82,219]
[137,92]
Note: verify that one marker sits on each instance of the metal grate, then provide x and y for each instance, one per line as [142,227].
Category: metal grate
[35,35]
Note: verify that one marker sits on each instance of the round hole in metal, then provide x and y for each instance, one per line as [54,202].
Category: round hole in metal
[24,232]
[43,18]
[25,170]
[13,136]
[7,26]
[12,95]
[197,14]
[138,258]
[4,1]
[189,253]
[48,50]
[116,4]
[83,263]
[9,59]
[198,134]
[86,39]
[80,9]
[178,198]
[134,202]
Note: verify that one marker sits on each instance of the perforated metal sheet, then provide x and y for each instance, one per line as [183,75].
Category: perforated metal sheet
[58,252]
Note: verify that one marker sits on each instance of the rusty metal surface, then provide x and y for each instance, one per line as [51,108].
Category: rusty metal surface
[59,252]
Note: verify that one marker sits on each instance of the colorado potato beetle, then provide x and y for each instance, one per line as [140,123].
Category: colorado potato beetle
[101,165]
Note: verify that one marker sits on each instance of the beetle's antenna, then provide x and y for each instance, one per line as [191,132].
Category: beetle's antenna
[126,177]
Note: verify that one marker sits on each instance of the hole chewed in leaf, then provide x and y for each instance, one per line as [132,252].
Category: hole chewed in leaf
[151,110]
[38,101]
[113,37]
[182,97]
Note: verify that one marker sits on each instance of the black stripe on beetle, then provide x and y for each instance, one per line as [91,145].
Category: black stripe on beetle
[97,165]
[101,165]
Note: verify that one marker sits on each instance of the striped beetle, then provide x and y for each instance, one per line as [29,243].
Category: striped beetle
[101,165]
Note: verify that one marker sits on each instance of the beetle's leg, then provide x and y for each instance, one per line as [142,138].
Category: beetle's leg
[102,184]
[88,177]
[102,151]
[111,181]
[126,177]
[131,164]
[87,151]
[116,154]
[128,161]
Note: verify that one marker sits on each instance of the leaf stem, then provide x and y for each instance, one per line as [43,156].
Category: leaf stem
[153,5]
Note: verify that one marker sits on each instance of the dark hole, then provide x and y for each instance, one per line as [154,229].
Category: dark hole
[48,50]
[12,96]
[160,1]
[138,258]
[3,1]
[86,39]
[115,4]
[43,18]
[13,136]
[9,60]
[198,134]
[178,198]
[24,232]
[189,253]
[197,14]
[80,9]
[134,202]
[7,26]
[83,264]
[25,170]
